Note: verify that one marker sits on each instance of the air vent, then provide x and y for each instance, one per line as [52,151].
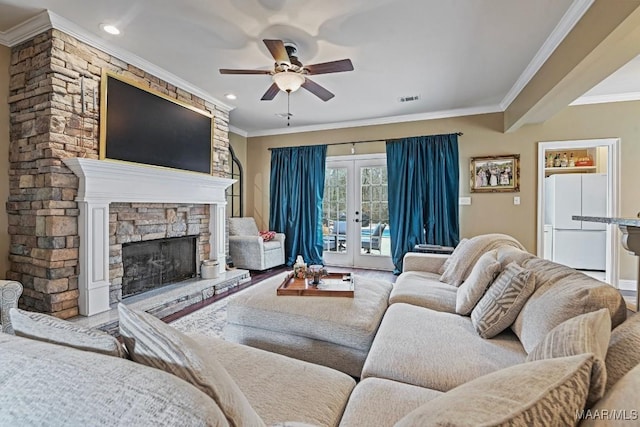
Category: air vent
[409,98]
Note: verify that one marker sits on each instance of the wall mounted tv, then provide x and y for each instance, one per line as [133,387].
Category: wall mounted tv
[140,125]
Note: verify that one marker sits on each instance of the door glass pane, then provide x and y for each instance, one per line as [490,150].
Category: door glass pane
[374,236]
[334,210]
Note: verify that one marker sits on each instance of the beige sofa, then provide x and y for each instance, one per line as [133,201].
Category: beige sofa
[427,366]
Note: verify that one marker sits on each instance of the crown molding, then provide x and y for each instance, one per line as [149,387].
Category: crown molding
[602,99]
[47,20]
[68,27]
[26,30]
[238,131]
[566,24]
[471,111]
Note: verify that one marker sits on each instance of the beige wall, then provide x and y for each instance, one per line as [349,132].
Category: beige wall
[482,136]
[239,145]
[5,56]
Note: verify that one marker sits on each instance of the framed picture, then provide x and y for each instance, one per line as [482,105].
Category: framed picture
[493,174]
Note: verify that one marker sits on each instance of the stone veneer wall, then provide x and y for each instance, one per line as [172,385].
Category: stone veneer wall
[134,222]
[47,125]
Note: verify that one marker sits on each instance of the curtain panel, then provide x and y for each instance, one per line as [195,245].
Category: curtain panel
[423,176]
[296,192]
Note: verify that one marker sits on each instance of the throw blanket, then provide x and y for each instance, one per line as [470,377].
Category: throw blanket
[465,256]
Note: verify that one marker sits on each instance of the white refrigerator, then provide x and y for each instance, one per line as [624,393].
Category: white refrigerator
[578,244]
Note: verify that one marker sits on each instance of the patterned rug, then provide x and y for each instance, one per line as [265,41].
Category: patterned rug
[209,320]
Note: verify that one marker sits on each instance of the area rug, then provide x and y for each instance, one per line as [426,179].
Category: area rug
[209,320]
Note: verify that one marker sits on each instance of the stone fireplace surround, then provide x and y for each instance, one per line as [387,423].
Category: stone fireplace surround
[102,182]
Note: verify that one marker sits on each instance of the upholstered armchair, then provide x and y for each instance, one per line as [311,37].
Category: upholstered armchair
[10,291]
[249,250]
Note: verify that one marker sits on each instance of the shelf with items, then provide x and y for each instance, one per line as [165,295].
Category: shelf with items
[580,160]
[575,169]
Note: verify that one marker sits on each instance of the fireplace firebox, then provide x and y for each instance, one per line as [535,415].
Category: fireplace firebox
[155,263]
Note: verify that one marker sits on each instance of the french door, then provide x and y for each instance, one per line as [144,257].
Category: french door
[356,212]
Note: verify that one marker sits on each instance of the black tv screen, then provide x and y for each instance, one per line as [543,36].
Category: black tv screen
[141,126]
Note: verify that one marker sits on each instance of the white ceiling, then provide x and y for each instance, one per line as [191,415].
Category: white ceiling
[459,56]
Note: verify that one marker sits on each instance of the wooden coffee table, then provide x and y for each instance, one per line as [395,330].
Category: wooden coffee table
[331,285]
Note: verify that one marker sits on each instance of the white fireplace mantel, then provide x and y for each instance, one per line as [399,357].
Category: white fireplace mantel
[103,182]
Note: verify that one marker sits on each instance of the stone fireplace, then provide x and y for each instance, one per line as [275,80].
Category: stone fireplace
[151,264]
[69,213]
[103,182]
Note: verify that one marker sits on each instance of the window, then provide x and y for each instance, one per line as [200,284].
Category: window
[234,192]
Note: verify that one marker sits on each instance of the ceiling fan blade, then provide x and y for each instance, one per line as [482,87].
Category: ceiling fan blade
[227,71]
[270,93]
[330,67]
[277,49]
[317,90]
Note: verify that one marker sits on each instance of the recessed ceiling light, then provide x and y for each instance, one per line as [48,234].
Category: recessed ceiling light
[111,29]
[230,96]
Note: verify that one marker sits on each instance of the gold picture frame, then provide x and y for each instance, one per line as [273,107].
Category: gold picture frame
[495,174]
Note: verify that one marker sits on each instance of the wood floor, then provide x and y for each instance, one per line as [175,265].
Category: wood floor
[258,276]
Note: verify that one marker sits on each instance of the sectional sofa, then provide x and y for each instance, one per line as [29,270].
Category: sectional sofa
[566,355]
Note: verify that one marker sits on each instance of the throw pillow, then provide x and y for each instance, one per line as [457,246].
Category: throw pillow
[483,273]
[546,392]
[587,333]
[460,266]
[623,353]
[500,305]
[620,405]
[43,327]
[267,235]
[454,255]
[152,342]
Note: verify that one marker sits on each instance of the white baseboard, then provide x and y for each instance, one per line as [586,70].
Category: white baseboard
[627,285]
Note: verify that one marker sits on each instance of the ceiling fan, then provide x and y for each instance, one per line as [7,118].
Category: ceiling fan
[289,74]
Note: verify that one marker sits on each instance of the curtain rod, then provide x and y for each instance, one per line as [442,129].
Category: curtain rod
[369,140]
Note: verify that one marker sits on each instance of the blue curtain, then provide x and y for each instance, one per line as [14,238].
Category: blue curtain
[297,189]
[423,179]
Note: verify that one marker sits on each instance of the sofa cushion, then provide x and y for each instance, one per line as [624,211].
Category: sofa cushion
[152,342]
[416,345]
[546,392]
[562,293]
[587,333]
[454,256]
[620,406]
[280,388]
[482,275]
[45,384]
[623,353]
[47,328]
[378,402]
[460,266]
[425,290]
[500,305]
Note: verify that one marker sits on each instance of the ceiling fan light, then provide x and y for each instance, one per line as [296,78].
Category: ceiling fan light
[288,81]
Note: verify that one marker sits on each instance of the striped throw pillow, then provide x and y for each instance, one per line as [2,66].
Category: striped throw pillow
[500,305]
[43,327]
[152,342]
[548,392]
[587,333]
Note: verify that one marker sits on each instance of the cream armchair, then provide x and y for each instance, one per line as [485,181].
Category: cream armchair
[249,250]
[10,291]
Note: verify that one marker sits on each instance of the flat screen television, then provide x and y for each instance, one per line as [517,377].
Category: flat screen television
[140,125]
